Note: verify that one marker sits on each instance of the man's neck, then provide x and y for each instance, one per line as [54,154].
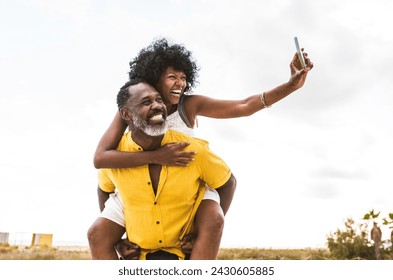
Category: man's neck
[147,142]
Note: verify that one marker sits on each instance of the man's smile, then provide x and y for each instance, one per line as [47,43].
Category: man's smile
[157,118]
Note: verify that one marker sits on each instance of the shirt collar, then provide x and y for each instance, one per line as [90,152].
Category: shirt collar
[134,146]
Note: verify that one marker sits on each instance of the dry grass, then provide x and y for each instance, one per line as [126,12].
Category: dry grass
[25,253]
[82,253]
[273,254]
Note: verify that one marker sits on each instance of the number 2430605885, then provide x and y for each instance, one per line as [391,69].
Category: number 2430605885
[252,270]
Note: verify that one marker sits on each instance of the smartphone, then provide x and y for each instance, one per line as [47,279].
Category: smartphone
[299,53]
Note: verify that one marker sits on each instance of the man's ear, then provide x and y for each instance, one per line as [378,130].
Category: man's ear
[125,114]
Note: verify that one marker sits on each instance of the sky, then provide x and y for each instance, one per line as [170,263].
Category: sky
[303,166]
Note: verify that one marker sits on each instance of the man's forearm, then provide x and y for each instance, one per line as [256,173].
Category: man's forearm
[226,193]
[102,198]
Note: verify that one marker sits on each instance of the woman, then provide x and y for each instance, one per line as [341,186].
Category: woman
[171,70]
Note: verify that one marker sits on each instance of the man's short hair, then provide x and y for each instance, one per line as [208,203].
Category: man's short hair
[124,93]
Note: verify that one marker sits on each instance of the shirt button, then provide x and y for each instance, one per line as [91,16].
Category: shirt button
[155,202]
[158,222]
[159,241]
[148,183]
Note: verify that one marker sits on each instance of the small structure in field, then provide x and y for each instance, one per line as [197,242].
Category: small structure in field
[42,240]
[4,237]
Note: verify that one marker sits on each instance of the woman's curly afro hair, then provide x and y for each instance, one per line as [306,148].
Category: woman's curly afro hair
[153,60]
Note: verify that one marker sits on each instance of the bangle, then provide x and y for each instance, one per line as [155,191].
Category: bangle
[262,97]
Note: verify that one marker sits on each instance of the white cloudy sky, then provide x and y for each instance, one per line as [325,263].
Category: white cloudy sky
[303,166]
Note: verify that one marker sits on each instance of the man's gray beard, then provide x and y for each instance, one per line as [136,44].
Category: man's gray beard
[148,129]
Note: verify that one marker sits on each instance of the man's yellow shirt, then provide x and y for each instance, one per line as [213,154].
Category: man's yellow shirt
[159,221]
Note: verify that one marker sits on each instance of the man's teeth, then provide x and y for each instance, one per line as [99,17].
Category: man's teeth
[176,91]
[156,118]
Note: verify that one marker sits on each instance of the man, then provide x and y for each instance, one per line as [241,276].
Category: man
[160,202]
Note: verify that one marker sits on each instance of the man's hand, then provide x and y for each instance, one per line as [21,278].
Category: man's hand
[172,154]
[187,243]
[127,250]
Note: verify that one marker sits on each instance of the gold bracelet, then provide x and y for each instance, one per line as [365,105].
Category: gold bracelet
[262,97]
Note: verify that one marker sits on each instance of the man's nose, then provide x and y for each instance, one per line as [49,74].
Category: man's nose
[157,105]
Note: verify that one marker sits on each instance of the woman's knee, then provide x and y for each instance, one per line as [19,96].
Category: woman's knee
[210,216]
[104,231]
[94,233]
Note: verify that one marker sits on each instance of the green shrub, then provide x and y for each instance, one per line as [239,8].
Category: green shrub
[352,243]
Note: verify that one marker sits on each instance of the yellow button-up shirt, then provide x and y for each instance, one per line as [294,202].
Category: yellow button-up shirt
[159,221]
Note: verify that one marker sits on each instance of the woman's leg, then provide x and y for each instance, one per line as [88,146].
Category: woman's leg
[102,236]
[209,223]
[107,230]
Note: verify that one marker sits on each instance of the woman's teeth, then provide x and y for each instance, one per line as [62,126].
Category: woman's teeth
[176,91]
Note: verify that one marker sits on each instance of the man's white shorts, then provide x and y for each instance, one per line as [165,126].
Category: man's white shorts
[114,206]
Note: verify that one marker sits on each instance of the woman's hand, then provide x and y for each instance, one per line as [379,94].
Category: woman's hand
[173,154]
[298,74]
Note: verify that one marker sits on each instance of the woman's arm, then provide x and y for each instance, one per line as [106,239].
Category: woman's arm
[106,155]
[214,108]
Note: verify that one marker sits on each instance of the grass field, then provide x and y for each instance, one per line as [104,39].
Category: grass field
[82,253]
